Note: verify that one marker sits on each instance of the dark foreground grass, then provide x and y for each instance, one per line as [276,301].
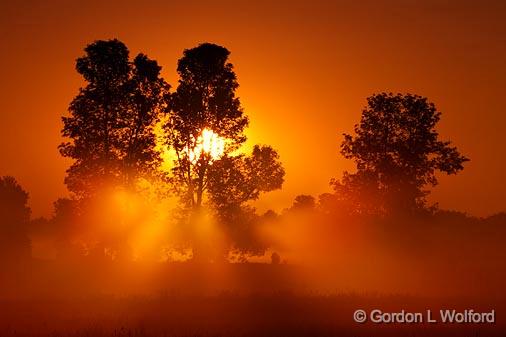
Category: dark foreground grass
[281,314]
[53,300]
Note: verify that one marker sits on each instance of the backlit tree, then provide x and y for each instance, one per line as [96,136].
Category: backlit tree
[205,129]
[397,152]
[205,113]
[111,120]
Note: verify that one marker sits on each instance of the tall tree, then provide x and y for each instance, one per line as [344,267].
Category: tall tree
[204,101]
[111,120]
[205,127]
[397,152]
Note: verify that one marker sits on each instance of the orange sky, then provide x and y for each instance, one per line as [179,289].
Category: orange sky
[305,69]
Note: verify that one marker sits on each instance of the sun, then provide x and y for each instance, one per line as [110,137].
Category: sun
[208,143]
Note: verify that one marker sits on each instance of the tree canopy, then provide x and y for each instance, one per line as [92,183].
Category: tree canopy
[204,100]
[397,152]
[205,128]
[236,180]
[110,126]
[113,136]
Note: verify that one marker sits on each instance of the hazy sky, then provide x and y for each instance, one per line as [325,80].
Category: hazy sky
[305,69]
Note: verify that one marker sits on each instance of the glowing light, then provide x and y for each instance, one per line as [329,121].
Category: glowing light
[208,143]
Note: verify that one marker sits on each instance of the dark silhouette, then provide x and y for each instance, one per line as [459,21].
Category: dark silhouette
[15,245]
[275,258]
[111,128]
[111,119]
[235,180]
[303,202]
[205,99]
[205,103]
[397,152]
[238,179]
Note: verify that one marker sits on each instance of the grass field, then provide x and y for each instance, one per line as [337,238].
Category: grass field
[230,315]
[263,300]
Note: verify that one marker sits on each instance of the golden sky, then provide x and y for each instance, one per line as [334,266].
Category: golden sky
[305,69]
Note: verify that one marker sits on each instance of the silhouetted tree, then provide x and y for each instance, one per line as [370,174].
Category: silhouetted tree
[235,180]
[111,119]
[303,202]
[397,152]
[205,99]
[14,216]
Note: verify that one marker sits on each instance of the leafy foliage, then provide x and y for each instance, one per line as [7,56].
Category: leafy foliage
[111,119]
[205,99]
[236,180]
[233,182]
[397,152]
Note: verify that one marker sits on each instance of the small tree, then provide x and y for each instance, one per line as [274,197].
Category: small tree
[397,152]
[235,180]
[303,202]
[111,120]
[14,217]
